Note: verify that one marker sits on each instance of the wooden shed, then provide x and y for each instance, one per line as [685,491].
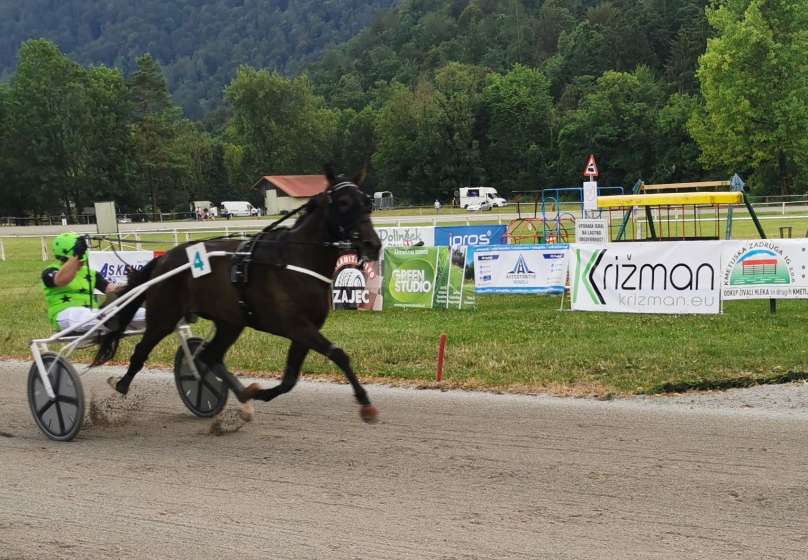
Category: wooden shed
[284,193]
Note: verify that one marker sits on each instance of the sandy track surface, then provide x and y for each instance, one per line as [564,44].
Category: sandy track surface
[444,476]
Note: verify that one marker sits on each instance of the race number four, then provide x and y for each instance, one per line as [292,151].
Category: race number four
[198,257]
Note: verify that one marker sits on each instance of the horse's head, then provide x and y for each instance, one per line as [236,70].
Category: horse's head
[348,214]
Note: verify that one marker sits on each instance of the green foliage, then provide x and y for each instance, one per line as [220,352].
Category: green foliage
[519,110]
[66,131]
[754,78]
[283,127]
[434,94]
[200,43]
[616,121]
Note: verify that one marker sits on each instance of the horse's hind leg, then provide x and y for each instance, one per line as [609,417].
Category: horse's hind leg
[294,361]
[153,335]
[213,354]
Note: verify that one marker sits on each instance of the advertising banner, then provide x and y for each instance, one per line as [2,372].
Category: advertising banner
[764,269]
[522,269]
[357,285]
[474,236]
[426,277]
[115,265]
[647,277]
[406,236]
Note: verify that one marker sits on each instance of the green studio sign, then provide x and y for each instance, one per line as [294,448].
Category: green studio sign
[427,277]
[409,277]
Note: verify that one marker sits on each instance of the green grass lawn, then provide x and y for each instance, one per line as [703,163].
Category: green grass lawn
[513,343]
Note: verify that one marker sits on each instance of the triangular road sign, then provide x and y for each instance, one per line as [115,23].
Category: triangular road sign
[591,168]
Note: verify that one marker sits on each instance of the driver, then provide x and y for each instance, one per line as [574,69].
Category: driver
[70,286]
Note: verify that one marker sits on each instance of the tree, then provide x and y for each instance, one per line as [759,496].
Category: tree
[519,136]
[282,125]
[616,122]
[66,129]
[11,195]
[677,154]
[155,129]
[406,157]
[754,79]
[428,144]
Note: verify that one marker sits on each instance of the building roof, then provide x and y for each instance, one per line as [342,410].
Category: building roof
[298,186]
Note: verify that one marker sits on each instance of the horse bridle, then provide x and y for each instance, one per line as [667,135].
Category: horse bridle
[342,227]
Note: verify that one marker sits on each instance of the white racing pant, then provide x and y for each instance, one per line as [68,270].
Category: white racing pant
[86,317]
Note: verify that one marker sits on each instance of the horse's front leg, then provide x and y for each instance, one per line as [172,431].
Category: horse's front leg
[310,338]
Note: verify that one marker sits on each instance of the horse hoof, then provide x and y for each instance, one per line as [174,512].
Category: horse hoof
[369,413]
[115,383]
[247,412]
[249,392]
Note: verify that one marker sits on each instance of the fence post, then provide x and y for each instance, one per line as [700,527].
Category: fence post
[2,251]
[187,236]
[176,241]
[138,246]
[44,249]
[784,208]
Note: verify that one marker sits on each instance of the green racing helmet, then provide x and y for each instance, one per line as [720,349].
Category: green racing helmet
[63,245]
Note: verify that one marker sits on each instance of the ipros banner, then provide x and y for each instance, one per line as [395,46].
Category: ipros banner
[406,236]
[357,284]
[764,269]
[651,277]
[526,269]
[115,265]
[470,236]
[426,277]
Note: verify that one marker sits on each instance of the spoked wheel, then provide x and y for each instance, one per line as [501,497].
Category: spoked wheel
[204,396]
[60,419]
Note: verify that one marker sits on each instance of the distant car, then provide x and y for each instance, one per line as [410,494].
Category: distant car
[124,220]
[479,206]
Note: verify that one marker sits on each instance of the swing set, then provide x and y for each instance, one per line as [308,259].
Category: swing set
[677,211]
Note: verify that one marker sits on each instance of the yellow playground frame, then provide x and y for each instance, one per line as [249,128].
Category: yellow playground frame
[675,211]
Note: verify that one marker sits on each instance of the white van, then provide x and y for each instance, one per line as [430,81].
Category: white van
[476,197]
[238,208]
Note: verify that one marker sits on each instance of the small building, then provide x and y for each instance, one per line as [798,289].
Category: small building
[284,193]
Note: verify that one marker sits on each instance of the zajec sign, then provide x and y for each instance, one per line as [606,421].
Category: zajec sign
[647,277]
[356,284]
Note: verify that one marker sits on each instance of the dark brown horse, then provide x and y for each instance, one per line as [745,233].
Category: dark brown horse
[286,292]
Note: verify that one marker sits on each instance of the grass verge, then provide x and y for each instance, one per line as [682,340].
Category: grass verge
[510,343]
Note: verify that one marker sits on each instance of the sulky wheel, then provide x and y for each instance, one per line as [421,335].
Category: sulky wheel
[206,396]
[60,418]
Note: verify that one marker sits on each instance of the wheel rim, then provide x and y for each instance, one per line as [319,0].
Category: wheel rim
[57,417]
[204,396]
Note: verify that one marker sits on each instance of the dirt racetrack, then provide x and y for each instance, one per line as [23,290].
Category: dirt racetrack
[444,476]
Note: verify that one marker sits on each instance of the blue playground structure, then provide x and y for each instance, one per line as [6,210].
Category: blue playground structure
[549,224]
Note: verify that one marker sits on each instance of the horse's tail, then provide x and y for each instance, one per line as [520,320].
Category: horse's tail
[109,341]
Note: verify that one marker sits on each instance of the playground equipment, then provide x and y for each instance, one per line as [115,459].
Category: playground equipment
[681,211]
[550,222]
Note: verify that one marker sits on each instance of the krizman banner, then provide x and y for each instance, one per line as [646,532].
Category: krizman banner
[654,277]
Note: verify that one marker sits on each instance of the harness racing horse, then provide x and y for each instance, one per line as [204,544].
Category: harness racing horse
[287,292]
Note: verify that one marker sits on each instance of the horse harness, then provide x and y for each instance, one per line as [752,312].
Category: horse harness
[244,257]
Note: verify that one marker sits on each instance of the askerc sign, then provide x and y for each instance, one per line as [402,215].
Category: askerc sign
[654,277]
